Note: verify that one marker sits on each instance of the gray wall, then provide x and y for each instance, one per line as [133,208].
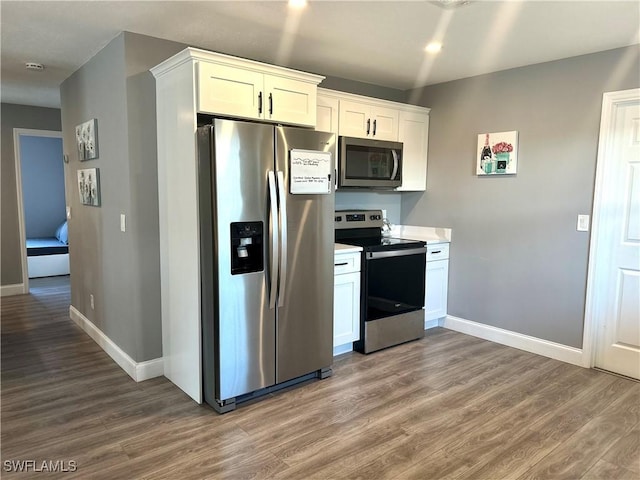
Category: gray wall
[42,173]
[16,116]
[120,269]
[517,261]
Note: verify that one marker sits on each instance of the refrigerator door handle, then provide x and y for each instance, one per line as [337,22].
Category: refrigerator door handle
[273,236]
[282,201]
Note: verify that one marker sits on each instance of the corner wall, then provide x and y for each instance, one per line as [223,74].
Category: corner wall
[120,269]
[516,259]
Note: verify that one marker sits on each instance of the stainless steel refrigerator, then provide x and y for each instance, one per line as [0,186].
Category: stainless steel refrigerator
[266,261]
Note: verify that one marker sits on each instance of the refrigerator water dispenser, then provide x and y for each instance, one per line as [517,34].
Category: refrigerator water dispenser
[247,252]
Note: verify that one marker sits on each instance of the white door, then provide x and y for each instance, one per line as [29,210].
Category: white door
[614,270]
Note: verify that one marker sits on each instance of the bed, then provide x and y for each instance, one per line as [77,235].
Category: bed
[49,256]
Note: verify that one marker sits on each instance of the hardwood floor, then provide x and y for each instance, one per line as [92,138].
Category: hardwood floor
[448,406]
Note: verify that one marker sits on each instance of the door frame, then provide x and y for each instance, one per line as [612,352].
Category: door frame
[600,234]
[17,133]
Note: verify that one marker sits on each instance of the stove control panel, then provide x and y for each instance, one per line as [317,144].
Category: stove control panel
[358,219]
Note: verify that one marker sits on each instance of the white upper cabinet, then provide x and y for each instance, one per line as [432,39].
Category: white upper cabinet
[365,120]
[229,91]
[240,88]
[327,114]
[414,135]
[364,117]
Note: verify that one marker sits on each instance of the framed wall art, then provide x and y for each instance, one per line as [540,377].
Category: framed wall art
[89,186]
[497,153]
[87,140]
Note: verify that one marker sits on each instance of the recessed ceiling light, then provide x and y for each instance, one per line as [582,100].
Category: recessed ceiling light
[33,66]
[451,4]
[297,3]
[433,47]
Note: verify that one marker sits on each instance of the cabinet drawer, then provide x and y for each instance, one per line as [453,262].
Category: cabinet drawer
[439,251]
[346,263]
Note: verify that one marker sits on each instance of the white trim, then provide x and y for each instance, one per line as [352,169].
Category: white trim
[436,322]
[149,369]
[535,345]
[599,233]
[340,349]
[17,133]
[15,289]
[138,371]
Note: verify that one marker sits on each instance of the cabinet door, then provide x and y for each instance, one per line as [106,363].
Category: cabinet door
[353,119]
[346,308]
[289,101]
[327,114]
[413,132]
[384,123]
[437,279]
[229,91]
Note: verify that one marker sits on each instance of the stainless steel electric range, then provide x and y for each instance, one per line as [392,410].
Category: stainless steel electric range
[393,281]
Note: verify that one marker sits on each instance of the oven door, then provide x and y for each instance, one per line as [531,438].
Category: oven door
[395,282]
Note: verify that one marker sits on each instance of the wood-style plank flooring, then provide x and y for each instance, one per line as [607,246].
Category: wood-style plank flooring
[448,406]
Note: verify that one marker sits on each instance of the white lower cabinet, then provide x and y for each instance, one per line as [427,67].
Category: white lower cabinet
[436,283]
[346,301]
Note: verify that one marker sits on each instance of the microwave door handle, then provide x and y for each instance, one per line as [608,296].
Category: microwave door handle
[396,163]
[274,238]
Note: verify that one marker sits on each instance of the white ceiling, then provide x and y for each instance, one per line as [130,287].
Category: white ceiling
[370,41]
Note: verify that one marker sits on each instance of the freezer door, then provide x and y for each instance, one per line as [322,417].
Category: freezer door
[243,158]
[305,313]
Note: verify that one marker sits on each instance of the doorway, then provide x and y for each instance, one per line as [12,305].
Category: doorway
[41,203]
[612,328]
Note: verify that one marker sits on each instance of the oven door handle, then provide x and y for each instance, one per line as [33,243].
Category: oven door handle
[396,253]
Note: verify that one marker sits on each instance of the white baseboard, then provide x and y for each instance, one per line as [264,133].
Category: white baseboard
[15,289]
[340,349]
[535,345]
[438,322]
[138,371]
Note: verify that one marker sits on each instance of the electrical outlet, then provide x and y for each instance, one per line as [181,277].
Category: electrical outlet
[93,305]
[583,223]
[123,222]
[68,212]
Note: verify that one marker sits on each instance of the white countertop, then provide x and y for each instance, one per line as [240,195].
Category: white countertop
[431,235]
[342,248]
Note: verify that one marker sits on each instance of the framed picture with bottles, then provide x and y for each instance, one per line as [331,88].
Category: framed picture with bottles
[497,153]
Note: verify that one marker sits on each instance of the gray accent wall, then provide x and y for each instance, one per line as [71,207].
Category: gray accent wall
[516,259]
[120,269]
[16,116]
[42,172]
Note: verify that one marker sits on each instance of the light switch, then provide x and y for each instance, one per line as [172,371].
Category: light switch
[68,212]
[123,222]
[583,223]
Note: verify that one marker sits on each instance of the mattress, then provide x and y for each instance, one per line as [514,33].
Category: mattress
[45,246]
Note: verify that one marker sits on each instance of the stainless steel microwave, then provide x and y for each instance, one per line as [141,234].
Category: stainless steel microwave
[366,163]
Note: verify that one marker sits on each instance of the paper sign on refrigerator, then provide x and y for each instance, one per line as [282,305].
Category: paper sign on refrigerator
[310,172]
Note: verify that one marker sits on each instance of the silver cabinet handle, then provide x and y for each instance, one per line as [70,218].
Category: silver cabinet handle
[282,200]
[273,235]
